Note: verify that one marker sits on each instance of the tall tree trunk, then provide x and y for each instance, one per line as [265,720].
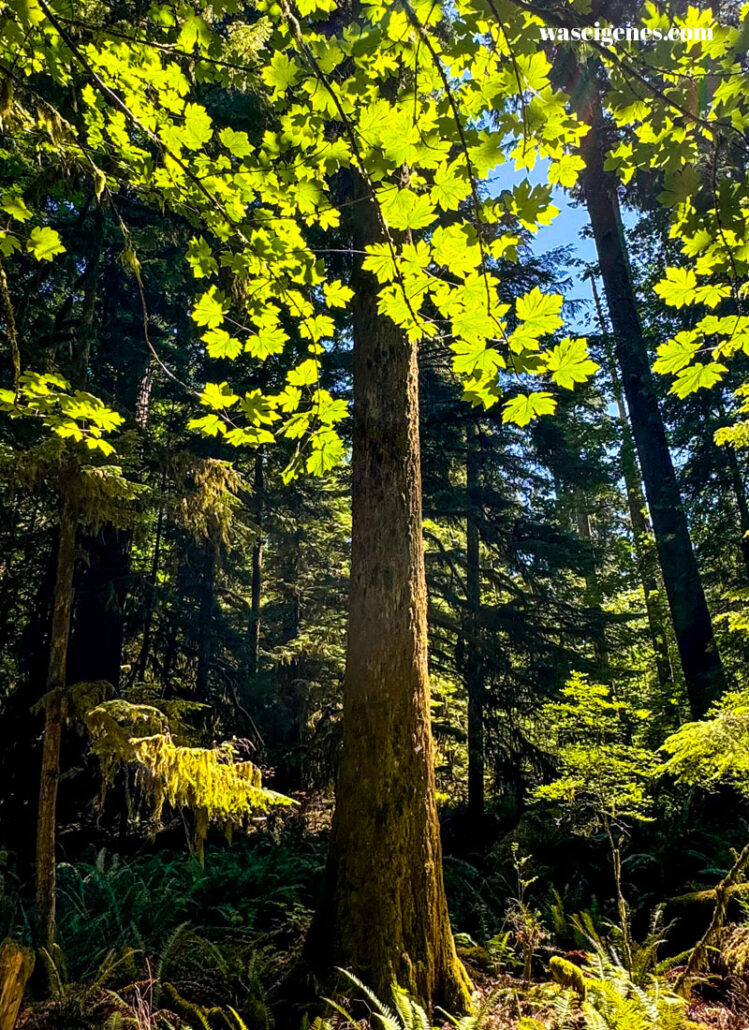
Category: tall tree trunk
[46,874]
[703,671]
[384,912]
[99,617]
[153,575]
[205,629]
[739,491]
[474,663]
[736,481]
[145,647]
[82,351]
[253,635]
[142,405]
[593,594]
[644,545]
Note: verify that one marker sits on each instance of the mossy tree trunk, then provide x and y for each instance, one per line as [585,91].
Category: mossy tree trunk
[46,874]
[16,966]
[253,635]
[384,913]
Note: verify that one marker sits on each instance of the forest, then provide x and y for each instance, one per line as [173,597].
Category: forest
[374,515]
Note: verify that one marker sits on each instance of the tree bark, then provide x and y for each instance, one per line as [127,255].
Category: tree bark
[143,397]
[82,350]
[593,594]
[739,492]
[727,457]
[145,647]
[46,873]
[102,587]
[384,913]
[101,592]
[474,667]
[703,671]
[253,635]
[16,966]
[153,575]
[205,629]
[644,545]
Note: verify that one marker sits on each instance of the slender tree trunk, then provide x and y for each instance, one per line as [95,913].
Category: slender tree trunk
[153,575]
[46,874]
[703,672]
[621,904]
[739,492]
[205,629]
[145,647]
[645,553]
[143,397]
[474,667]
[253,636]
[384,913]
[82,353]
[647,561]
[593,594]
[727,458]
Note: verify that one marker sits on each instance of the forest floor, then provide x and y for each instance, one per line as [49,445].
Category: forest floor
[514,1005]
[150,939]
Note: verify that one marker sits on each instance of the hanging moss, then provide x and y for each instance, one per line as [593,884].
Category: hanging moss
[208,781]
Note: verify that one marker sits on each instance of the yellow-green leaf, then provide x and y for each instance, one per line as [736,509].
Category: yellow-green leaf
[44,243]
[525,407]
[698,377]
[218,396]
[539,311]
[569,363]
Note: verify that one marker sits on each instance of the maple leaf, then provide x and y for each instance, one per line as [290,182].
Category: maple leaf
[525,407]
[678,288]
[539,312]
[699,376]
[44,243]
[569,363]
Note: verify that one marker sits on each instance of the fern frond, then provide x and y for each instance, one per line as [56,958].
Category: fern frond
[386,1014]
[241,1025]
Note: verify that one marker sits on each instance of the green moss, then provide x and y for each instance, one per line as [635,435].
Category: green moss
[568,975]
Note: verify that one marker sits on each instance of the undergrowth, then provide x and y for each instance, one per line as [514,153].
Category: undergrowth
[162,943]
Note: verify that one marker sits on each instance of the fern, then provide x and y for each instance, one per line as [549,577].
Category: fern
[408,1013]
[386,1015]
[475,1020]
[614,1002]
[169,948]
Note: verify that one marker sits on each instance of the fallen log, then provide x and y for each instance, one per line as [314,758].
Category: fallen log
[16,966]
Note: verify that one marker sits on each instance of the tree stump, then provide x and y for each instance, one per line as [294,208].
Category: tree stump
[16,965]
